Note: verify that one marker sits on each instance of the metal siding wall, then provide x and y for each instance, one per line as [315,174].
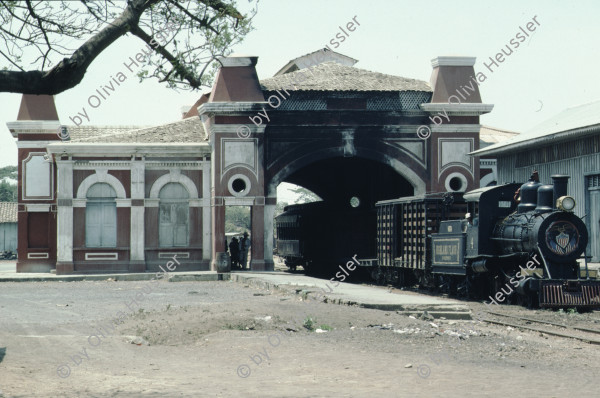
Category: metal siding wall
[577,168]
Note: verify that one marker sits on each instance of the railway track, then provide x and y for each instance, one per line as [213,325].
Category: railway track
[586,335]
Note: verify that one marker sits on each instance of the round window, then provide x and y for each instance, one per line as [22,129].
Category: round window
[455,184]
[354,201]
[238,185]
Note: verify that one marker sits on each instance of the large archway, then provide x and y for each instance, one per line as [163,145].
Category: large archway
[344,222]
[341,132]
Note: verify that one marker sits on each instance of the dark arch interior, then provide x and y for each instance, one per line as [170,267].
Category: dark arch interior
[338,229]
[337,180]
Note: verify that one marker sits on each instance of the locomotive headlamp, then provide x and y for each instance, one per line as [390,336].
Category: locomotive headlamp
[565,203]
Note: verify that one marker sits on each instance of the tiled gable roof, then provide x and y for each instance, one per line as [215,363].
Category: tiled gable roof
[182,131]
[331,76]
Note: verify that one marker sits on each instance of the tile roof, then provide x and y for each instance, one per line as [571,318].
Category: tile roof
[301,61]
[79,133]
[574,121]
[182,131]
[8,212]
[492,135]
[331,76]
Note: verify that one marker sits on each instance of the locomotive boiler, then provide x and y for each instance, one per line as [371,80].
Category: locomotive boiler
[543,226]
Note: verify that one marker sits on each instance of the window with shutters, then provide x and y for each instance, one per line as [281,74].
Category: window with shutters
[101,216]
[173,230]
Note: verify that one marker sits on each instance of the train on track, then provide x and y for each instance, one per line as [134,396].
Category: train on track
[486,243]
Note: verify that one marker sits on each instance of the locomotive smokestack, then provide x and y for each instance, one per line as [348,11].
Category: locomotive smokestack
[560,183]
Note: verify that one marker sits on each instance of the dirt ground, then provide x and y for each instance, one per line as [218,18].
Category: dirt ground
[226,339]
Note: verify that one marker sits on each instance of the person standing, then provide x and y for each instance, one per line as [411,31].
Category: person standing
[234,251]
[244,246]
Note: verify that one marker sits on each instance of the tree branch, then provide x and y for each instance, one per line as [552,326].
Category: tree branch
[50,34]
[70,71]
[180,69]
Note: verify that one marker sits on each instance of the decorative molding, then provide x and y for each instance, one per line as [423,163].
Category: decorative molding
[408,129]
[462,109]
[37,256]
[173,176]
[79,202]
[182,165]
[217,201]
[451,146]
[230,108]
[239,201]
[199,202]
[101,176]
[123,202]
[239,153]
[34,167]
[238,129]
[126,165]
[65,202]
[139,149]
[33,127]
[151,202]
[33,144]
[38,208]
[101,256]
[455,128]
[238,60]
[453,61]
[487,162]
[105,164]
[416,149]
[171,254]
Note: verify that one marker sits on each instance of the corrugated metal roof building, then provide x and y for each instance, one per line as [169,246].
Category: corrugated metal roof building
[568,143]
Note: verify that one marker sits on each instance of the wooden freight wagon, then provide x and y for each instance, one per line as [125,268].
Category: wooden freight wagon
[404,227]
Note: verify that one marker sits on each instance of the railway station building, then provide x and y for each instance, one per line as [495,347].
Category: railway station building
[568,144]
[128,198]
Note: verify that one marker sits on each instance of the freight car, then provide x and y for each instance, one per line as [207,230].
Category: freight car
[318,235]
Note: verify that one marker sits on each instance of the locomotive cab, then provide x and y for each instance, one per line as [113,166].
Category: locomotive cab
[462,243]
[487,206]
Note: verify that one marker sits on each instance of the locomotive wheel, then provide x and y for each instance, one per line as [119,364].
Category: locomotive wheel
[426,281]
[378,276]
[391,276]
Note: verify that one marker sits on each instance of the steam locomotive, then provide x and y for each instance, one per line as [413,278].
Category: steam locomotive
[479,244]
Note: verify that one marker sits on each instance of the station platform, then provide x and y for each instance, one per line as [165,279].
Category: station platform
[309,288]
[377,297]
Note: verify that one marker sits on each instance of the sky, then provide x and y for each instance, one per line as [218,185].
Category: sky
[553,70]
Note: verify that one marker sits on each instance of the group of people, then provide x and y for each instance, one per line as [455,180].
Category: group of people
[238,250]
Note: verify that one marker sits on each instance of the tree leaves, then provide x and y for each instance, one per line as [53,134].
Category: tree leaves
[62,38]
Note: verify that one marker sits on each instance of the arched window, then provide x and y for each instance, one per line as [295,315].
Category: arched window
[173,216]
[101,216]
